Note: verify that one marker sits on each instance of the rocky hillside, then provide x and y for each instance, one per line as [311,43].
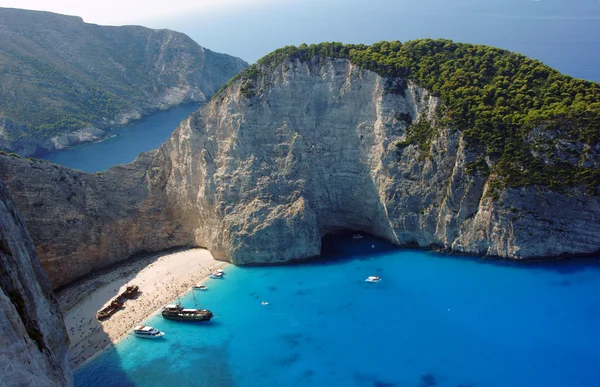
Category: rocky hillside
[310,141]
[63,81]
[34,340]
[82,221]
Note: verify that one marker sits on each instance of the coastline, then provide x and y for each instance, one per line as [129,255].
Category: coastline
[161,277]
[42,148]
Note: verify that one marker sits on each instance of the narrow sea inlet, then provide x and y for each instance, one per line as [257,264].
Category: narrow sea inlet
[124,144]
[433,320]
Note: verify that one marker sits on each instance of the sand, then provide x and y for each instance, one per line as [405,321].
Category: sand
[161,278]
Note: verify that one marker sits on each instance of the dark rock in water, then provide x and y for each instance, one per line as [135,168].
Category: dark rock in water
[379,383]
[428,380]
[289,360]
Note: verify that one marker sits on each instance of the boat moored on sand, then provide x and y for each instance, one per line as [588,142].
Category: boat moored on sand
[177,312]
[131,292]
[111,309]
[147,332]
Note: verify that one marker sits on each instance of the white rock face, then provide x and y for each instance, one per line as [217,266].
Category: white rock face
[260,174]
[33,339]
[88,134]
[313,150]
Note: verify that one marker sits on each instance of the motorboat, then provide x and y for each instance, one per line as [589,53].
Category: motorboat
[216,274]
[357,236]
[147,332]
[178,313]
[220,271]
[373,278]
[199,286]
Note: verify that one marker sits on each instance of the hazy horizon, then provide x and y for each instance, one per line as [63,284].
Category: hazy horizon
[563,35]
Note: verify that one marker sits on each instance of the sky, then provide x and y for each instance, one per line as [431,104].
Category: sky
[562,33]
[119,12]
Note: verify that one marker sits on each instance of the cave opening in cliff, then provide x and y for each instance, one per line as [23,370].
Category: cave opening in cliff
[350,242]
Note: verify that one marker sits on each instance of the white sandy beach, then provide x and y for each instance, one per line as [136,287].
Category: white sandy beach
[161,277]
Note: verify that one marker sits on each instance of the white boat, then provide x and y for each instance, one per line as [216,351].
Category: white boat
[220,271]
[373,278]
[199,286]
[216,274]
[147,332]
[357,236]
[265,303]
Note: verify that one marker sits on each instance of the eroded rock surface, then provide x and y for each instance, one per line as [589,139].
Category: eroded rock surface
[33,342]
[64,82]
[260,174]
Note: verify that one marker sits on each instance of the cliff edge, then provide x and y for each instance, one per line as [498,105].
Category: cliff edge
[64,82]
[302,145]
[34,342]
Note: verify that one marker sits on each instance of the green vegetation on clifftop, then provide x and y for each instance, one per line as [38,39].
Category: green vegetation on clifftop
[508,106]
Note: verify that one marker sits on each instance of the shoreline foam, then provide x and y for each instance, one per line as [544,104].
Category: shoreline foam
[161,278]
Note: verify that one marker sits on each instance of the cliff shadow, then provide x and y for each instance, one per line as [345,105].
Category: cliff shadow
[104,370]
[341,244]
[347,244]
[117,274]
[90,339]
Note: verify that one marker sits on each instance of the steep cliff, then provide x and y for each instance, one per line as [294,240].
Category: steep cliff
[34,342]
[290,151]
[81,222]
[63,81]
[312,146]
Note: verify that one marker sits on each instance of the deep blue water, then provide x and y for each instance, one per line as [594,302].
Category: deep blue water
[125,144]
[433,320]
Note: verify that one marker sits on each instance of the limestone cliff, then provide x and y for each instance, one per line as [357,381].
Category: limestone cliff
[34,342]
[64,82]
[261,173]
[313,148]
[81,222]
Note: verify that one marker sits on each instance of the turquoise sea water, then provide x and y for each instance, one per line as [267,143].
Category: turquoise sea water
[125,143]
[433,320]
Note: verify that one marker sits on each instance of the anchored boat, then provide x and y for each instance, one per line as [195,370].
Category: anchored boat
[199,287]
[147,332]
[177,312]
[373,278]
[111,309]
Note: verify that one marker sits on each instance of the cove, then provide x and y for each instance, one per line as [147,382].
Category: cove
[433,320]
[124,144]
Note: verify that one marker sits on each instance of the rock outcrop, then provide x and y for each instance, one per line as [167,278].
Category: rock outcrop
[64,82]
[34,342]
[261,173]
[83,221]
